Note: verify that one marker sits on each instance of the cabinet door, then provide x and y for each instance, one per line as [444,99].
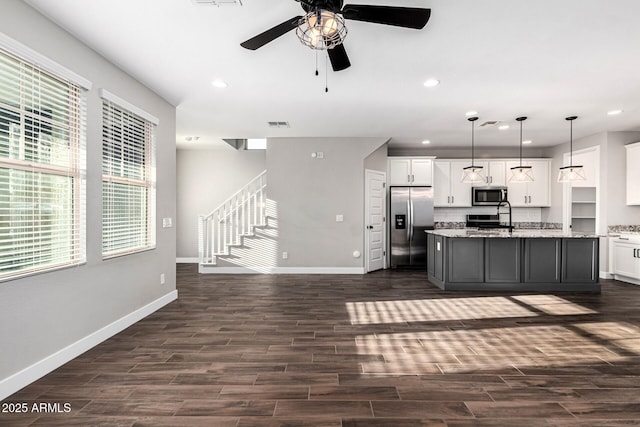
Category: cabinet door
[422,172]
[633,174]
[460,192]
[502,260]
[626,259]
[580,260]
[517,193]
[497,173]
[542,260]
[465,260]
[539,190]
[441,175]
[399,171]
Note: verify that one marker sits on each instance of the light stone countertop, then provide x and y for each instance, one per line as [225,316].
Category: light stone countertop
[516,234]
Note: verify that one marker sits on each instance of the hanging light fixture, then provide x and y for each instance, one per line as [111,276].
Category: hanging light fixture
[472,174]
[571,173]
[321,29]
[521,173]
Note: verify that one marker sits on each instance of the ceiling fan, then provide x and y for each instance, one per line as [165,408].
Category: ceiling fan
[323,25]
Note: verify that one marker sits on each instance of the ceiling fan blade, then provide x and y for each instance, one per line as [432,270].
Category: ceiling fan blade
[338,57]
[408,17]
[271,34]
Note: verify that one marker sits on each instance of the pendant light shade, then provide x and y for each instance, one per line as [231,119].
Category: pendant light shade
[521,173]
[571,173]
[472,174]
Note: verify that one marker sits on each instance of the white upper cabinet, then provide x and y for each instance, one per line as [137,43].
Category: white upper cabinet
[531,194]
[633,173]
[448,190]
[495,172]
[410,171]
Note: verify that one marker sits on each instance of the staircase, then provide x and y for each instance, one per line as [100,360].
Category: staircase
[235,218]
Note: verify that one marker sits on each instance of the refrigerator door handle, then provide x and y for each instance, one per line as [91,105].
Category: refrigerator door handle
[408,220]
[411,220]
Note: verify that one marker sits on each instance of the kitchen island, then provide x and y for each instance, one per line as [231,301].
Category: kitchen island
[521,260]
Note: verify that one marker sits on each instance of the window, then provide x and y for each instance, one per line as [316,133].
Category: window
[128,178]
[42,176]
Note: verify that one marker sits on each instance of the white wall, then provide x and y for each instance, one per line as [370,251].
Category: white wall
[42,314]
[206,178]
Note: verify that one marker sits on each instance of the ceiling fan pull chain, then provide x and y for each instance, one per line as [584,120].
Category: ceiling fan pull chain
[326,73]
[317,73]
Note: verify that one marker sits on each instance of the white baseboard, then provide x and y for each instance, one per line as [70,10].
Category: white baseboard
[280,270]
[21,379]
[187,260]
[606,275]
[627,279]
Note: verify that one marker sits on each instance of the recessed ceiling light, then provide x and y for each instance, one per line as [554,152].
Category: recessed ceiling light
[426,142]
[431,83]
[614,112]
[527,142]
[470,113]
[191,138]
[219,84]
[503,127]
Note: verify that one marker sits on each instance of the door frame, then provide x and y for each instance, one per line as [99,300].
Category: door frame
[367,190]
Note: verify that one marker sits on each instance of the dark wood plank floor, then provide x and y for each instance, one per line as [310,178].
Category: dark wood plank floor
[383,349]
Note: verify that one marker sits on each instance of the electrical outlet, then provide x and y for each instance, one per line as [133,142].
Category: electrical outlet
[162,281]
[339,218]
[285,255]
[321,154]
[167,223]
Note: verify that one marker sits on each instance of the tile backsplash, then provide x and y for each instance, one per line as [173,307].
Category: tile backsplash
[622,228]
[460,214]
[530,218]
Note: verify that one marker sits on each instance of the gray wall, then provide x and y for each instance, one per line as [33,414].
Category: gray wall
[307,193]
[613,209]
[42,314]
[465,152]
[377,160]
[206,178]
[618,213]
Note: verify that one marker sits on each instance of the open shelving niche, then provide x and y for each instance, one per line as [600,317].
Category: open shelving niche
[583,209]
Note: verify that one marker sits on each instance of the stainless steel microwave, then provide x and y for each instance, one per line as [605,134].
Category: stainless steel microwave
[483,196]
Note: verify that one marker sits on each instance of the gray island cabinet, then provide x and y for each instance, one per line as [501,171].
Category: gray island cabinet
[523,260]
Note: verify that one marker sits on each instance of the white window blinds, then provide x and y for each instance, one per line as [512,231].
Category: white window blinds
[42,169]
[128,180]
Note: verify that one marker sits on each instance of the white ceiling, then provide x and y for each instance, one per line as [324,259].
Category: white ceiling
[545,59]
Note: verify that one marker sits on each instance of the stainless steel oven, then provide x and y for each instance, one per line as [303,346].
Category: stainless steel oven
[488,196]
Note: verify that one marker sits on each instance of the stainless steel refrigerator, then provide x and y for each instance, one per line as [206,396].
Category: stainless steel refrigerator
[411,215]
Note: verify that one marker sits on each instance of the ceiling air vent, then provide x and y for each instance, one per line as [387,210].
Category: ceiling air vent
[278,124]
[490,123]
[218,2]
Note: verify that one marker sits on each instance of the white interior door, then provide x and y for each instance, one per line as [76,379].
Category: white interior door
[375,208]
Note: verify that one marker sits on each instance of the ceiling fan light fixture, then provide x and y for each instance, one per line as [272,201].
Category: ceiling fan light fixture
[321,29]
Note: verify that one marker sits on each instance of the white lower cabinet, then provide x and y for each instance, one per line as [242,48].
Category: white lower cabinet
[626,261]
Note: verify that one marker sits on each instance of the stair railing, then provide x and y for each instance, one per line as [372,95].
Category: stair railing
[235,217]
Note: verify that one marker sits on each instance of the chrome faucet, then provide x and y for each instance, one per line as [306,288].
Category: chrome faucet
[509,206]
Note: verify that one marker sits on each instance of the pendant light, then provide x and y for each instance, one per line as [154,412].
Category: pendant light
[571,173]
[472,174]
[521,173]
